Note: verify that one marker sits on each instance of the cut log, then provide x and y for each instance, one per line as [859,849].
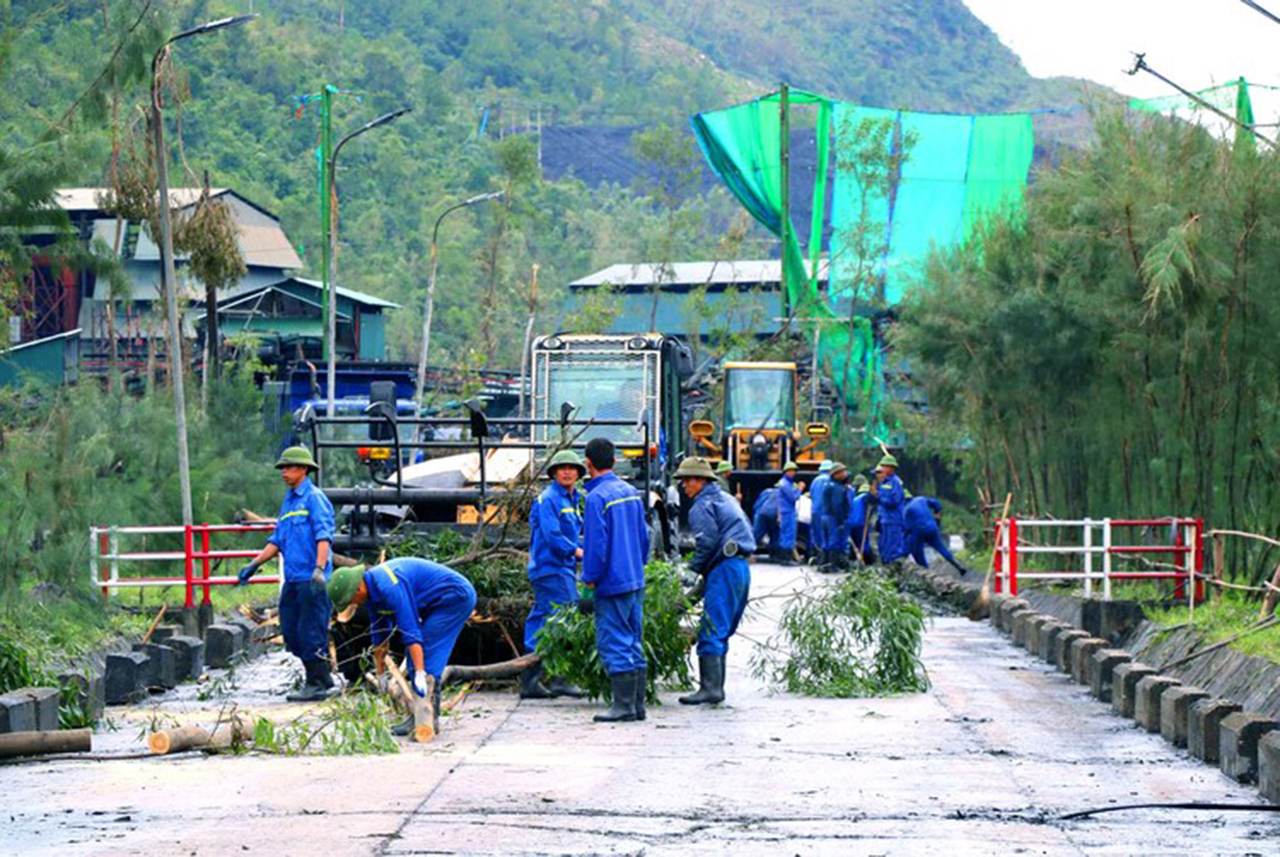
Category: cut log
[504,669]
[43,743]
[177,740]
[423,714]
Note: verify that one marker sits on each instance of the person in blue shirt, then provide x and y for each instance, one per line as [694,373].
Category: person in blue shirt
[890,498]
[819,523]
[921,518]
[860,510]
[723,543]
[788,496]
[615,548]
[835,510]
[304,536]
[555,546]
[426,602]
[764,518]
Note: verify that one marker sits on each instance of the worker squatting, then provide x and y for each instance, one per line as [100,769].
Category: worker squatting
[602,529]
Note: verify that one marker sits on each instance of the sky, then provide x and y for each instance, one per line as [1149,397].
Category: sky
[1197,43]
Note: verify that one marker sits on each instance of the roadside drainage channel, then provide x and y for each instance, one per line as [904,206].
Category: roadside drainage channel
[127,676]
[1223,707]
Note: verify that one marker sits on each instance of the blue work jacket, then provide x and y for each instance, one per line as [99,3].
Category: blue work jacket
[858,511]
[716,519]
[788,496]
[919,515]
[817,491]
[615,542]
[305,519]
[891,498]
[767,503]
[403,590]
[555,532]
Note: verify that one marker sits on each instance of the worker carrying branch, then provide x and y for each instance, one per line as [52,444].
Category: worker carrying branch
[426,602]
[304,535]
[723,542]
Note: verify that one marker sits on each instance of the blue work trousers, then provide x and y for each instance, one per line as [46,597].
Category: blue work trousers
[304,620]
[548,592]
[765,527]
[933,539]
[838,539]
[728,586]
[893,543]
[787,531]
[619,626]
[441,626]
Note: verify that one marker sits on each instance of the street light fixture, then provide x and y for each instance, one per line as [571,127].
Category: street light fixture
[332,322]
[431,289]
[168,279]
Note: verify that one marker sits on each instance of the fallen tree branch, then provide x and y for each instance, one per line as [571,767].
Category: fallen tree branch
[44,743]
[457,673]
[1261,626]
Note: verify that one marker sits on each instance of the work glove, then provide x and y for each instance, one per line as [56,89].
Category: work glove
[245,573]
[317,580]
[420,684]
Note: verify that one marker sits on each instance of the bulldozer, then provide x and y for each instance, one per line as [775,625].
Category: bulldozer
[761,428]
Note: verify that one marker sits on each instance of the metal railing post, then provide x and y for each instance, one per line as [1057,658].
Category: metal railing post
[1013,556]
[204,561]
[1106,559]
[1088,558]
[113,548]
[188,564]
[997,557]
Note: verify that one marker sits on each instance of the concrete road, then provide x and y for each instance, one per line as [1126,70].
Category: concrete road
[983,763]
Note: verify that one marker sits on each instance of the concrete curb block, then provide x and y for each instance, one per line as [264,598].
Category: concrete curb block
[126,676]
[1005,614]
[1082,650]
[1031,642]
[1124,684]
[1175,707]
[163,671]
[1146,703]
[1062,648]
[29,709]
[1022,620]
[1238,744]
[1102,666]
[1269,766]
[188,657]
[1204,725]
[1048,637]
[993,607]
[223,645]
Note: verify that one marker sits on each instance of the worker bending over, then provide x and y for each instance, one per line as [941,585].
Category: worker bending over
[922,517]
[304,535]
[764,519]
[890,498]
[723,543]
[555,546]
[614,550]
[428,603]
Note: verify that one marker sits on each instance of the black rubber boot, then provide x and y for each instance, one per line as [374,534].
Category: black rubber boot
[558,687]
[710,682]
[642,687]
[404,728]
[623,709]
[313,690]
[531,686]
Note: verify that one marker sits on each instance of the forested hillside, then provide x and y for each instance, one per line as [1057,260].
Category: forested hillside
[474,70]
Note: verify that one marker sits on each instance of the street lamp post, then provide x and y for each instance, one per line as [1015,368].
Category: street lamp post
[168,279]
[332,321]
[431,290]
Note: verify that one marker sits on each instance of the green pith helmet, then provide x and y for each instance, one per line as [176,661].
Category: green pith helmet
[825,466]
[695,467]
[790,465]
[566,457]
[343,584]
[837,466]
[860,482]
[298,456]
[888,461]
[724,467]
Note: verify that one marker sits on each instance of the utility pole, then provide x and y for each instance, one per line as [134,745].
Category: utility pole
[328,306]
[784,180]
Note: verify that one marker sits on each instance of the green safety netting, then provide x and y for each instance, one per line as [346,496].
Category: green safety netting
[1228,97]
[957,170]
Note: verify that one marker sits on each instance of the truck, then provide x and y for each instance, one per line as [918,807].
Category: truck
[760,428]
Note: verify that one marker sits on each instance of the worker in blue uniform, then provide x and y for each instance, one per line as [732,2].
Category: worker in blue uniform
[890,499]
[788,496]
[426,602]
[860,510]
[921,517]
[835,511]
[615,548]
[764,519]
[818,521]
[555,547]
[304,535]
[723,540]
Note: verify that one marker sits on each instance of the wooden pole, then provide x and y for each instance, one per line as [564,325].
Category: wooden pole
[146,638]
[423,716]
[1219,564]
[784,189]
[982,604]
[43,743]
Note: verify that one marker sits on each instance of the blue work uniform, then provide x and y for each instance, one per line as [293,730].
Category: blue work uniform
[835,512]
[615,547]
[555,529]
[788,496]
[922,530]
[859,509]
[428,603]
[305,520]
[764,517]
[819,524]
[716,520]
[890,501]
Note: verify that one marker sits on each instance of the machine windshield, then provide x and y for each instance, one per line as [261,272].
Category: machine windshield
[601,391]
[759,399]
